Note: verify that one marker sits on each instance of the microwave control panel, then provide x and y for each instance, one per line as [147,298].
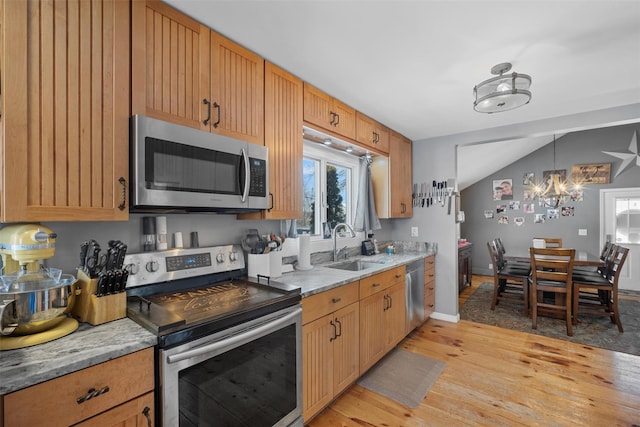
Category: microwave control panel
[258,171]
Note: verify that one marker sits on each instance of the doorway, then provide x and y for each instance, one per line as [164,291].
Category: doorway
[620,224]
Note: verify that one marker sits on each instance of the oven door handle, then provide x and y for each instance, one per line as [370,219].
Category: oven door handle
[247,175]
[229,342]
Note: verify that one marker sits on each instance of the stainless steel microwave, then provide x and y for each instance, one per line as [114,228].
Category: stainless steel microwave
[178,168]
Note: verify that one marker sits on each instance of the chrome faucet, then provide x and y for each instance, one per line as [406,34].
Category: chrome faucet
[335,236]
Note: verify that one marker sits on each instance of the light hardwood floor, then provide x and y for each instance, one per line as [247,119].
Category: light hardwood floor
[499,377]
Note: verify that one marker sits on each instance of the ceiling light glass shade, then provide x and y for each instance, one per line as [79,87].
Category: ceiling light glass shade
[502,93]
[556,193]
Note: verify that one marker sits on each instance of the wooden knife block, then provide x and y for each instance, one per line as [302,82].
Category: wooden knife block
[96,310]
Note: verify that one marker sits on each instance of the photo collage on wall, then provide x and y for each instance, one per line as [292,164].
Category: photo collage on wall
[510,209]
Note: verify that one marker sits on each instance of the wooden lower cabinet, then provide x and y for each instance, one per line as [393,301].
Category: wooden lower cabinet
[135,413]
[382,315]
[330,345]
[429,285]
[127,385]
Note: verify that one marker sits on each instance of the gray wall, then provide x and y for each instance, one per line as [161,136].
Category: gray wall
[435,161]
[212,230]
[574,148]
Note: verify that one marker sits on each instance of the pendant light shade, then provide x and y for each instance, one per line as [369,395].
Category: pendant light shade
[502,93]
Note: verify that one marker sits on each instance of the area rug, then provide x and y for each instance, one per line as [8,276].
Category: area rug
[403,376]
[594,331]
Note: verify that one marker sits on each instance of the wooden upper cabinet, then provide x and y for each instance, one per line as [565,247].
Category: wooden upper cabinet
[170,64]
[237,91]
[65,122]
[400,161]
[283,137]
[371,133]
[187,74]
[329,113]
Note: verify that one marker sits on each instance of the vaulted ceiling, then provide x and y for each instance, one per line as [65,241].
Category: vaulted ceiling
[412,65]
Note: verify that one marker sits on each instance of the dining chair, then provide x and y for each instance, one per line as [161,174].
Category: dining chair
[510,283]
[501,248]
[599,295]
[550,242]
[607,258]
[551,272]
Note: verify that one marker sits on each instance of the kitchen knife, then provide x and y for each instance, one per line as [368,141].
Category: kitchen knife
[91,261]
[111,278]
[101,287]
[122,251]
[123,280]
[110,258]
[117,281]
[84,247]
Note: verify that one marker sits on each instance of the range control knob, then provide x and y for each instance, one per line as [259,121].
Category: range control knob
[152,266]
[220,258]
[131,268]
[233,256]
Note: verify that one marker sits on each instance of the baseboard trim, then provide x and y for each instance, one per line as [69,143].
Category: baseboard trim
[445,317]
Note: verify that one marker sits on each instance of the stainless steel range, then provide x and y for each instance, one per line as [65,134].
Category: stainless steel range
[229,348]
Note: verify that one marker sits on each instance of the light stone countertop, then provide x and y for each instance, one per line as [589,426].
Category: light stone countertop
[322,278]
[91,345]
[87,346]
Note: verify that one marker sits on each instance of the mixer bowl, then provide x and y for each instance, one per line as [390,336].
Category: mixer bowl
[34,302]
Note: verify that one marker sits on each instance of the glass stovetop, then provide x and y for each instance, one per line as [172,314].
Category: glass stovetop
[211,302]
[202,309]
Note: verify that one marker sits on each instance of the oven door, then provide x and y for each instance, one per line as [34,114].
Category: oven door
[248,375]
[178,167]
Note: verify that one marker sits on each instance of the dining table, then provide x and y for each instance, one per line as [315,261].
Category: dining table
[582,258]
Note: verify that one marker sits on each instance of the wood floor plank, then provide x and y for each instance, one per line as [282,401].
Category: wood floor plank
[499,377]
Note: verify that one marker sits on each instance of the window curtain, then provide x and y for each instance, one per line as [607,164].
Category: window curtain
[366,217]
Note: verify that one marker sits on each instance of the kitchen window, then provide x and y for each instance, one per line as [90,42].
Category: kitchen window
[329,186]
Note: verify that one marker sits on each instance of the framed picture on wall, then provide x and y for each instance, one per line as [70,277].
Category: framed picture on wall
[529,178]
[546,176]
[596,173]
[502,189]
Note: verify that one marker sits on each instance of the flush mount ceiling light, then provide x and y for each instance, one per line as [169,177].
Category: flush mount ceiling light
[327,141]
[502,93]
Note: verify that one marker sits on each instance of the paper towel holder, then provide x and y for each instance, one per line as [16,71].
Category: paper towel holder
[306,256]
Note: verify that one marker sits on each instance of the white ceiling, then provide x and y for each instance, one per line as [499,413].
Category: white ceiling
[412,65]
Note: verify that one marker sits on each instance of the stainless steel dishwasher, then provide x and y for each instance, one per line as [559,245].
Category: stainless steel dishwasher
[414,282]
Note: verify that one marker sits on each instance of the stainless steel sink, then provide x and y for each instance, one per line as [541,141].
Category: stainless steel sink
[356,265]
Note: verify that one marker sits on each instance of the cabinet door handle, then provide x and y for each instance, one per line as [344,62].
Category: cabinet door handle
[398,276]
[386,305]
[404,208]
[339,324]
[333,118]
[123,202]
[147,414]
[91,393]
[271,199]
[335,331]
[337,119]
[375,285]
[390,301]
[217,107]
[208,104]
[336,300]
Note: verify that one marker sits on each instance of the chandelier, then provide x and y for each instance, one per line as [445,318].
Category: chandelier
[502,93]
[555,191]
